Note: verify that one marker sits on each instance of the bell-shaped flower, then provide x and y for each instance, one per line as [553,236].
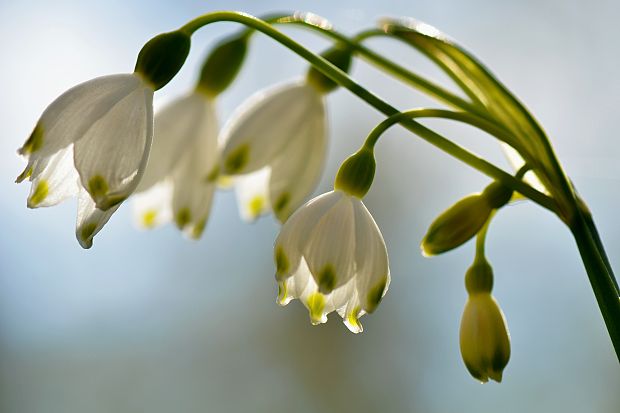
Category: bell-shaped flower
[331,255]
[92,142]
[275,146]
[484,338]
[181,174]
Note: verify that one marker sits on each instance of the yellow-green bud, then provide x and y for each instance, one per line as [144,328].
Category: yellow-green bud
[484,338]
[223,64]
[356,173]
[456,225]
[479,277]
[162,57]
[339,56]
[497,194]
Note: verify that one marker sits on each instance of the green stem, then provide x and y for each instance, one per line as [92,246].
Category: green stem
[600,278]
[345,81]
[448,145]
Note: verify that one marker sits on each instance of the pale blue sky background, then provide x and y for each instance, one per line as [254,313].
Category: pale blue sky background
[148,321]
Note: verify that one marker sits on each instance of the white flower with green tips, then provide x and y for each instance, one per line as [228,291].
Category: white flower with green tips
[92,142]
[331,256]
[275,147]
[181,174]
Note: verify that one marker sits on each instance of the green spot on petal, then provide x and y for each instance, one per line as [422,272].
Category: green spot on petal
[282,264]
[237,159]
[88,230]
[34,142]
[282,293]
[281,203]
[213,175]
[327,279]
[199,228]
[26,173]
[375,295]
[256,205]
[98,187]
[352,321]
[149,218]
[40,193]
[316,305]
[183,217]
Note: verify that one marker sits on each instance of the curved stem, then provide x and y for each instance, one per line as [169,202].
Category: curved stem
[345,81]
[448,145]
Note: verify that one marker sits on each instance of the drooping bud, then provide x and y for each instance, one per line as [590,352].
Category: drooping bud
[162,57]
[456,225]
[339,56]
[484,338]
[223,64]
[459,223]
[356,173]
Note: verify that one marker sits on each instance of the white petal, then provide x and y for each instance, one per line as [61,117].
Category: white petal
[90,219]
[54,179]
[112,155]
[252,192]
[373,273]
[193,185]
[68,118]
[296,172]
[153,207]
[264,124]
[177,127]
[330,248]
[296,231]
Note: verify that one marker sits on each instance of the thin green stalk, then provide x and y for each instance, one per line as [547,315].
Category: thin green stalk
[467,118]
[345,81]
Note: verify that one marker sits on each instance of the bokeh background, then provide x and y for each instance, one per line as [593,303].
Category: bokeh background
[149,321]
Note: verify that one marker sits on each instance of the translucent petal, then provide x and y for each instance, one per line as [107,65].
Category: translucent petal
[371,259]
[67,119]
[330,248]
[517,162]
[296,231]
[153,207]
[294,286]
[264,124]
[177,127]
[112,155]
[296,172]
[192,187]
[54,179]
[252,192]
[90,219]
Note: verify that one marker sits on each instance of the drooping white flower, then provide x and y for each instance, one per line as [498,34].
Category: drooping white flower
[92,142]
[275,146]
[181,174]
[331,255]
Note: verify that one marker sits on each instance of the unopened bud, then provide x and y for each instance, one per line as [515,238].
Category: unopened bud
[223,65]
[484,338]
[456,225]
[339,56]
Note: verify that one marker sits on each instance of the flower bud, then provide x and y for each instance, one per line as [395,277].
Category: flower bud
[456,225]
[339,56]
[484,338]
[497,194]
[162,57]
[223,65]
[356,173]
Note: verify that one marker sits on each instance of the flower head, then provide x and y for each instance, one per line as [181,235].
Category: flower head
[484,337]
[91,142]
[275,147]
[331,255]
[179,181]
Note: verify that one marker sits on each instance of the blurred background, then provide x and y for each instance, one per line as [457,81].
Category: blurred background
[149,321]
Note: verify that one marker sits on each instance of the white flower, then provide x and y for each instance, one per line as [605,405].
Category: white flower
[93,142]
[181,174]
[330,254]
[275,145]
